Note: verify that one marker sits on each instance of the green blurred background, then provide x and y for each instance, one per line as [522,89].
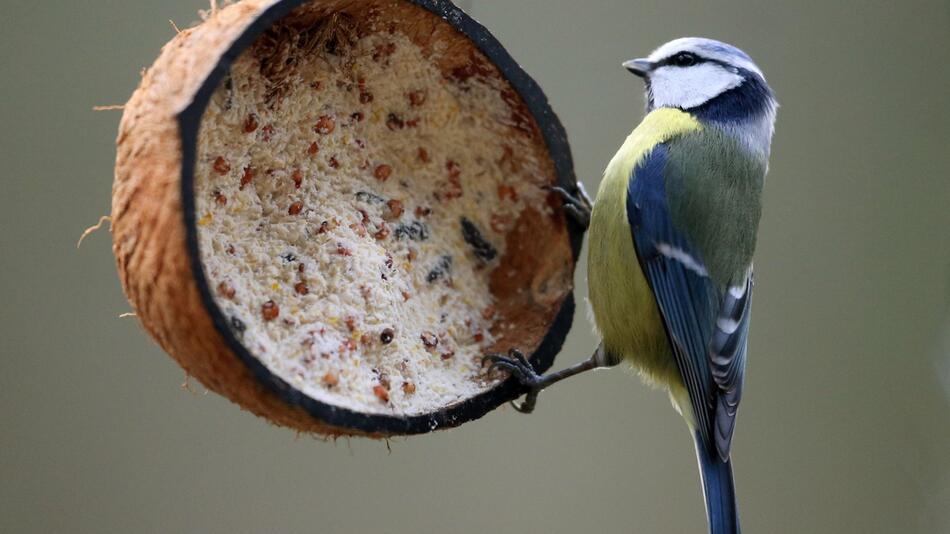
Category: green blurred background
[845,424]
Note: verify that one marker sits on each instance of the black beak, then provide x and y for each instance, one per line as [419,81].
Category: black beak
[639,67]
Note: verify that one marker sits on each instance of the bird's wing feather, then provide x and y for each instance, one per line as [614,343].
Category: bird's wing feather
[707,327]
[727,356]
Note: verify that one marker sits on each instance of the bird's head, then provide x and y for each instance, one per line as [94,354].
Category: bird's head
[693,72]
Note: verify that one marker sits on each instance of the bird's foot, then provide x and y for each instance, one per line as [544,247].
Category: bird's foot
[576,203]
[520,368]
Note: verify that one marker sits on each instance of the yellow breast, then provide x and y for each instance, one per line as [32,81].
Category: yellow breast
[621,300]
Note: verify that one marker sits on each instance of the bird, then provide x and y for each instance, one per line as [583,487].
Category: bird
[671,241]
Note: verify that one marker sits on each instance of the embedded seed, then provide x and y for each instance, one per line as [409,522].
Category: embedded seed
[226,290]
[383,172]
[423,155]
[295,208]
[408,388]
[387,336]
[366,97]
[395,209]
[267,132]
[325,124]
[382,233]
[481,247]
[414,231]
[220,199]
[507,192]
[330,379]
[334,162]
[359,229]
[250,123]
[429,340]
[381,393]
[313,149]
[247,177]
[394,122]
[301,288]
[221,166]
[297,177]
[453,168]
[417,98]
[270,310]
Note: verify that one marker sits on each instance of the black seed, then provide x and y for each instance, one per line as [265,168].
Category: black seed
[480,246]
[369,198]
[387,336]
[442,268]
[238,325]
[395,122]
[288,257]
[414,231]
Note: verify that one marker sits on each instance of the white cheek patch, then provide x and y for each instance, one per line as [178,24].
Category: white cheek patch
[691,86]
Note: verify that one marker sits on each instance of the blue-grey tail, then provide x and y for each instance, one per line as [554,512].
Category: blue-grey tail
[719,490]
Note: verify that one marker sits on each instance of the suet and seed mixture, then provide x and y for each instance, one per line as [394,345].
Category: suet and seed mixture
[351,204]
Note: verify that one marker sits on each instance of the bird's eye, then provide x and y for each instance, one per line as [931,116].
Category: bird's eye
[684,59]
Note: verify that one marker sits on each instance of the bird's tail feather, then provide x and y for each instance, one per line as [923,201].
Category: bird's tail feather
[718,489]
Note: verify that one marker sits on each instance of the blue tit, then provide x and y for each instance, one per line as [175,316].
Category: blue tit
[672,235]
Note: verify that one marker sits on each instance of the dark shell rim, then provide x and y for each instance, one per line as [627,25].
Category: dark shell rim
[189,121]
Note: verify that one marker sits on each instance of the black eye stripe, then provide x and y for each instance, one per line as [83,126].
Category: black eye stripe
[674,61]
[682,59]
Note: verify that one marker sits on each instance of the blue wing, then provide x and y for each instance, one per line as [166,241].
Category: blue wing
[707,326]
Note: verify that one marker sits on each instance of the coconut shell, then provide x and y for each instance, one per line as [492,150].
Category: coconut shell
[155,238]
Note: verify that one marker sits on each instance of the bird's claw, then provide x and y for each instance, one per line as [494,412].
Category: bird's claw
[576,204]
[516,364]
[520,368]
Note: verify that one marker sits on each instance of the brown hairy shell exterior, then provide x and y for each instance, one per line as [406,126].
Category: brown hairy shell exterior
[148,226]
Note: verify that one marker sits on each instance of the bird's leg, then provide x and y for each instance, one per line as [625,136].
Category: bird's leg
[519,367]
[576,203]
